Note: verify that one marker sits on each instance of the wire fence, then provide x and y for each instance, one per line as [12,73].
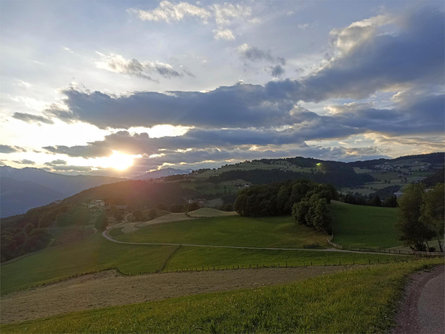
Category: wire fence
[386,250]
[287,265]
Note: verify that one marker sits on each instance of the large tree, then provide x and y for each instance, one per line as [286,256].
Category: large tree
[432,211]
[414,232]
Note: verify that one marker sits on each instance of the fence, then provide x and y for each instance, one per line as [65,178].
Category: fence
[386,250]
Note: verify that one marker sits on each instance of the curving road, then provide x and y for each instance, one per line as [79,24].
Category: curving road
[423,309]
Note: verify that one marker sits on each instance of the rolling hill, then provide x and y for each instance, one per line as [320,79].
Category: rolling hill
[207,187]
[26,188]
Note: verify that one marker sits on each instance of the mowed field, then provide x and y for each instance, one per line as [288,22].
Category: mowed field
[97,254]
[335,303]
[358,226]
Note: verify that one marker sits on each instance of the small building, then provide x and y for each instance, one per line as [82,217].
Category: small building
[398,193]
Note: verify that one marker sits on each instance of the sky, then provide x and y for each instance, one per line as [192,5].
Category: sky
[126,87]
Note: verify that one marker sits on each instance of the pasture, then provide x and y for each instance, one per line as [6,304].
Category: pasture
[358,226]
[230,231]
[335,303]
[95,253]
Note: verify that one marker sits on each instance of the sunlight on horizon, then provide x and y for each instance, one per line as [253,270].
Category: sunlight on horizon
[118,160]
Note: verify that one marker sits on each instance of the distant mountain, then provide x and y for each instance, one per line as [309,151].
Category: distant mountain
[209,187]
[23,189]
[162,173]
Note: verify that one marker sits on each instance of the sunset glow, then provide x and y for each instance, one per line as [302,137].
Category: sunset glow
[118,160]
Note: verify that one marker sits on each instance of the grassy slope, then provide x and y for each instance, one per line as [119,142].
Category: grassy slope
[90,255]
[219,258]
[232,231]
[210,212]
[357,226]
[337,303]
[95,253]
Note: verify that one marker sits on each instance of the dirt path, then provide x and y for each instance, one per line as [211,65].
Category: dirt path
[108,237]
[422,310]
[109,288]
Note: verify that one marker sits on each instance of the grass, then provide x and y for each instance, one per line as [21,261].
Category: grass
[336,303]
[210,212]
[358,226]
[75,216]
[95,253]
[230,231]
[90,255]
[219,258]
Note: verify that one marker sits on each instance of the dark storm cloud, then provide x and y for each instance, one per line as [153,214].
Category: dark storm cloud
[31,118]
[240,105]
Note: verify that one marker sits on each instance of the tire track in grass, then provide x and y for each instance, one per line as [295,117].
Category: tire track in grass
[109,238]
[167,260]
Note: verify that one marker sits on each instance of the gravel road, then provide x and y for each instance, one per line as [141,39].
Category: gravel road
[422,311]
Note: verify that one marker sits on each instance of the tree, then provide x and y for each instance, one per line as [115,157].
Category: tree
[299,211]
[413,231]
[390,202]
[319,214]
[432,212]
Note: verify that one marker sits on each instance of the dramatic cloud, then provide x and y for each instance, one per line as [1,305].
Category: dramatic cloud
[370,62]
[376,63]
[241,105]
[118,64]
[31,118]
[409,117]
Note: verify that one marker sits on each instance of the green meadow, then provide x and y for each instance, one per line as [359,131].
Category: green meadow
[230,231]
[358,226]
[335,303]
[96,253]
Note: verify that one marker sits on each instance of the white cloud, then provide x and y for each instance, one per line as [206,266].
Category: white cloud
[225,34]
[346,39]
[224,15]
[167,11]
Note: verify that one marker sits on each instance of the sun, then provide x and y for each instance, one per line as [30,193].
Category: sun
[119,161]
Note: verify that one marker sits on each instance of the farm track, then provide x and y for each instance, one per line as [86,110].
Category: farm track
[108,237]
[109,288]
[422,310]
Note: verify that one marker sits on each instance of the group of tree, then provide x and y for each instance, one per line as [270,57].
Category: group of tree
[370,200]
[338,174]
[422,216]
[306,200]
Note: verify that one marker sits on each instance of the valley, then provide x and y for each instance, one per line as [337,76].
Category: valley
[121,244]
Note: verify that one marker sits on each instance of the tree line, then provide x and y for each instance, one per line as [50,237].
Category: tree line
[370,200]
[421,217]
[307,201]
